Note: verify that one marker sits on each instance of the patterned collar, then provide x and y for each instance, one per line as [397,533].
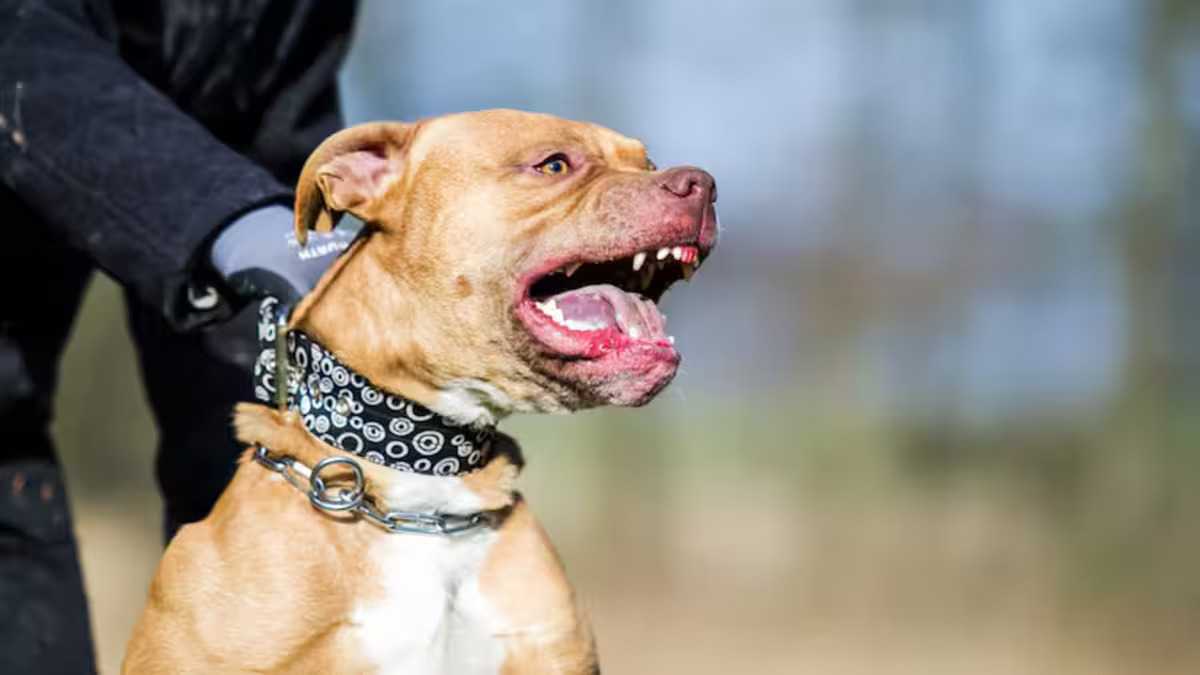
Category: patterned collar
[344,410]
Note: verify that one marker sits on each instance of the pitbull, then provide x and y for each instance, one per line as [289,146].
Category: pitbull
[511,262]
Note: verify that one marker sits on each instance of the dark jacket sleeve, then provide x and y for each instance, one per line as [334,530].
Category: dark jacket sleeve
[110,164]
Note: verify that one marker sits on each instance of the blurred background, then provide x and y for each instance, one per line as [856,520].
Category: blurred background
[940,403]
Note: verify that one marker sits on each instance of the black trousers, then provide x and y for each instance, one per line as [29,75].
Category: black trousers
[192,381]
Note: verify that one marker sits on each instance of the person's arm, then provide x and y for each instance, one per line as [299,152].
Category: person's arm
[112,166]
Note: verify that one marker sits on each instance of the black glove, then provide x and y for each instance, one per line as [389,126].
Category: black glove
[258,254]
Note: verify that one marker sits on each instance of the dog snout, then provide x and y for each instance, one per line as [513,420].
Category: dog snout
[689,183]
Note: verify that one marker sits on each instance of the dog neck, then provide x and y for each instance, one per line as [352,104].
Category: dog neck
[385,345]
[485,489]
[381,324]
[347,411]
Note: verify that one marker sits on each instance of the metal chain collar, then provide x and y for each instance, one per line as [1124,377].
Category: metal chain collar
[353,499]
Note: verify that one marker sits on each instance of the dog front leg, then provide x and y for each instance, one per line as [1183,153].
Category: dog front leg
[541,627]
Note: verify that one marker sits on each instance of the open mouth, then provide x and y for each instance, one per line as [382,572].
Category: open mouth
[587,309]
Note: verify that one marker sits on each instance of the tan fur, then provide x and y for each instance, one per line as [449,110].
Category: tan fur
[266,583]
[415,330]
[225,594]
[226,585]
[550,636]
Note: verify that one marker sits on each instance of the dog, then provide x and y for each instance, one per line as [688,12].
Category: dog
[510,262]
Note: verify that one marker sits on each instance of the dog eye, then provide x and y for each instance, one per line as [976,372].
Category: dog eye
[554,165]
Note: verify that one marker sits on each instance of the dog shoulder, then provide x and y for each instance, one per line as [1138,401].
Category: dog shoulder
[256,424]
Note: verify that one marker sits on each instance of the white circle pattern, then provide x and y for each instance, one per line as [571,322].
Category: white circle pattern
[346,411]
[373,431]
[429,442]
[396,449]
[401,426]
[446,467]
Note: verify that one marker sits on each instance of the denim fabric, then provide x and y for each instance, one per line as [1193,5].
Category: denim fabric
[131,131]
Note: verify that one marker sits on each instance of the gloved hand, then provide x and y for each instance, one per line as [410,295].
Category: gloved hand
[258,254]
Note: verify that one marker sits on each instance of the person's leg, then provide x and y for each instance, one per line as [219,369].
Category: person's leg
[45,627]
[193,381]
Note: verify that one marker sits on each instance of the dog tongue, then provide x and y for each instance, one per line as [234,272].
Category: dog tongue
[602,306]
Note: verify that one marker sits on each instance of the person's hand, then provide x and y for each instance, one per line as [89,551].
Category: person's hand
[258,254]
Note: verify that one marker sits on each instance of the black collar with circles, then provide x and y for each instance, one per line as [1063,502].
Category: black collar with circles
[343,409]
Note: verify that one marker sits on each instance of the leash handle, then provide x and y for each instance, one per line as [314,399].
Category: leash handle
[282,370]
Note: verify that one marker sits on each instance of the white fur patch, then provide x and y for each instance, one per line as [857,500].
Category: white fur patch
[422,492]
[470,401]
[431,618]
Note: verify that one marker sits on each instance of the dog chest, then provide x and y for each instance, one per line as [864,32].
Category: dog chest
[427,614]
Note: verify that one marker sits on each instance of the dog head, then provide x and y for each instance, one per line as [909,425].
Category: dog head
[513,261]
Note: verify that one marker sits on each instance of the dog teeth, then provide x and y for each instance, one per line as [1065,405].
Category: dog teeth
[646,263]
[581,325]
[571,269]
[671,339]
[647,276]
[551,309]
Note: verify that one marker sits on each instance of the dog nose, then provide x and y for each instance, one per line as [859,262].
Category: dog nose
[689,182]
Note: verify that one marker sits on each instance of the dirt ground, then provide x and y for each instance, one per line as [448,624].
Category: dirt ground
[719,616]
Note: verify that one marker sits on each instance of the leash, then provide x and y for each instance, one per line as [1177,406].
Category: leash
[353,500]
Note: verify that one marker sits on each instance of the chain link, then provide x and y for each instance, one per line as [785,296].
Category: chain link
[343,500]
[355,500]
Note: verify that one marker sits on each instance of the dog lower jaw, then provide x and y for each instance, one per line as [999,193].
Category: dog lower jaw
[636,380]
[611,369]
[635,389]
[474,402]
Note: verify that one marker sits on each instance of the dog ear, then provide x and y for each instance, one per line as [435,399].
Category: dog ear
[349,172]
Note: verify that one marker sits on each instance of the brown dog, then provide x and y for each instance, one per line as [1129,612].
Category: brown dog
[512,263]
